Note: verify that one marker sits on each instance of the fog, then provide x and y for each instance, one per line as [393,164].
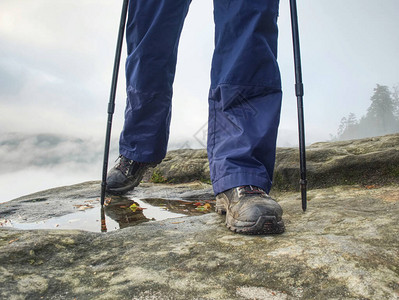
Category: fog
[56,64]
[30,163]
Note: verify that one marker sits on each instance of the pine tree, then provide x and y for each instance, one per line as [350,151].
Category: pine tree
[342,127]
[395,98]
[380,116]
[348,128]
[352,120]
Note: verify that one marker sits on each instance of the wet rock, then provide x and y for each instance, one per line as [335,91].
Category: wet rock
[61,201]
[346,246]
[50,203]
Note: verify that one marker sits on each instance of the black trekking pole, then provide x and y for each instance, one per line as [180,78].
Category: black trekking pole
[299,95]
[111,104]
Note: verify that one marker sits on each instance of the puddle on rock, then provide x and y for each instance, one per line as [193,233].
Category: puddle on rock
[119,212]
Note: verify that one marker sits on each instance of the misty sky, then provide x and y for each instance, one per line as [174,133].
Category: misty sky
[56,61]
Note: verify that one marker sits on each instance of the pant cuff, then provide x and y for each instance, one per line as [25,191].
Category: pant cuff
[142,157]
[239,179]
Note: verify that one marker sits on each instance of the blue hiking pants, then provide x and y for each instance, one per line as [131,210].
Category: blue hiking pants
[244,97]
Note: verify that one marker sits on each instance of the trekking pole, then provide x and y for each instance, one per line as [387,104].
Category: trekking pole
[299,94]
[111,104]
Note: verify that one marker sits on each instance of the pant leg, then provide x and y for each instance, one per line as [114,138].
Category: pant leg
[245,94]
[152,34]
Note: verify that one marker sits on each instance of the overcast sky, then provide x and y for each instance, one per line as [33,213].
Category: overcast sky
[56,62]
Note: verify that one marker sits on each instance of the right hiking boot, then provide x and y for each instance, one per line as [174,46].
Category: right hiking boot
[250,210]
[126,175]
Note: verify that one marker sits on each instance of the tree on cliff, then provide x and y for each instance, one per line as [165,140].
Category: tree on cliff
[382,116]
[395,98]
[348,129]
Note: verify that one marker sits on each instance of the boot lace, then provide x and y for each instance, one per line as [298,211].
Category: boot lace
[124,164]
[250,190]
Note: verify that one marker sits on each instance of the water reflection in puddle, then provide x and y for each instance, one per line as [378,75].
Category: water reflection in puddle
[121,212]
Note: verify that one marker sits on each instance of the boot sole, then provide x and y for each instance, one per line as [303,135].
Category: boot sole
[264,224]
[122,190]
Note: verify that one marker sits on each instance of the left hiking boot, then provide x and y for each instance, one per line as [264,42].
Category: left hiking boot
[250,210]
[126,175]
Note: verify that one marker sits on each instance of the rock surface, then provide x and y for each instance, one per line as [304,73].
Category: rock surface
[366,161]
[179,166]
[346,246]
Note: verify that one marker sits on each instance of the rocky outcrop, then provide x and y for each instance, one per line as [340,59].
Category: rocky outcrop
[179,166]
[370,161]
[346,246]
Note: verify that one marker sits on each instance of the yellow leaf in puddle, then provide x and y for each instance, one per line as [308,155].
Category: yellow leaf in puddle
[135,207]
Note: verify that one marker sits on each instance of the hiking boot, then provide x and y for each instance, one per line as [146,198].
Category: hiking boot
[126,175]
[250,210]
